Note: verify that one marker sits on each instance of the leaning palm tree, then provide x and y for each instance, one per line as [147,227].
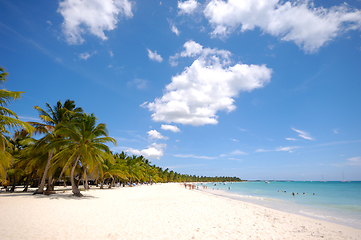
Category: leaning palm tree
[8,119]
[83,144]
[51,117]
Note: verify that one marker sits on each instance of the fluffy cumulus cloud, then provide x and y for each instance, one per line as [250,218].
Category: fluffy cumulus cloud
[209,85]
[187,7]
[154,151]
[170,128]
[298,21]
[154,134]
[154,56]
[303,134]
[91,16]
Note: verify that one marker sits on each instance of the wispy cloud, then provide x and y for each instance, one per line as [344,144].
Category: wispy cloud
[279,149]
[236,159]
[303,134]
[286,149]
[238,152]
[336,143]
[140,84]
[86,55]
[291,139]
[263,150]
[175,29]
[192,156]
[354,161]
[29,119]
[154,56]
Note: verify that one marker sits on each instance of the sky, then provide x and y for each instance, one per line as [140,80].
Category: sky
[259,89]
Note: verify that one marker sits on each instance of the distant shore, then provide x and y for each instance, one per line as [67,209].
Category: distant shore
[162,211]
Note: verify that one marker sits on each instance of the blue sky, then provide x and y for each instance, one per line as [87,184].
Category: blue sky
[255,89]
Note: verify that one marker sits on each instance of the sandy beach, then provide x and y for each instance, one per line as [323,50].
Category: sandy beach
[164,211]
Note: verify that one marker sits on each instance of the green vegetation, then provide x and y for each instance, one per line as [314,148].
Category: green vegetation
[70,147]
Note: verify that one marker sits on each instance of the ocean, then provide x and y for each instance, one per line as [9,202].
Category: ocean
[338,202]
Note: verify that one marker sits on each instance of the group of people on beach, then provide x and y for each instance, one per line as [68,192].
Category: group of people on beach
[190,186]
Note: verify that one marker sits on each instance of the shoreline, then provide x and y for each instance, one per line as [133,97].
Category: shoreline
[161,211]
[288,207]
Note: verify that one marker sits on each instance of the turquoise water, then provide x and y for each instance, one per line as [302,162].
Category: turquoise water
[338,202]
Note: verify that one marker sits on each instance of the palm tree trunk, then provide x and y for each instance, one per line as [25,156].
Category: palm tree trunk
[74,188]
[14,184]
[86,186]
[40,189]
[49,187]
[111,184]
[26,184]
[102,184]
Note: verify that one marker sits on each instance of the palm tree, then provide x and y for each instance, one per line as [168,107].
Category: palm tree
[53,116]
[8,119]
[83,144]
[136,170]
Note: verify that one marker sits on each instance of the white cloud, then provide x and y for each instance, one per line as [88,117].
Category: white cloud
[238,152]
[303,134]
[111,54]
[335,131]
[154,134]
[286,149]
[298,21]
[278,149]
[94,16]
[209,85]
[187,7]
[86,55]
[153,151]
[355,161]
[192,156]
[175,29]
[234,140]
[291,139]
[262,150]
[154,56]
[170,128]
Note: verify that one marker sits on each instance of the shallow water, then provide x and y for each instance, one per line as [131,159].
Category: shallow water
[338,202]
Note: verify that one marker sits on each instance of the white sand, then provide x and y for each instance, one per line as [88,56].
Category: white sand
[166,211]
